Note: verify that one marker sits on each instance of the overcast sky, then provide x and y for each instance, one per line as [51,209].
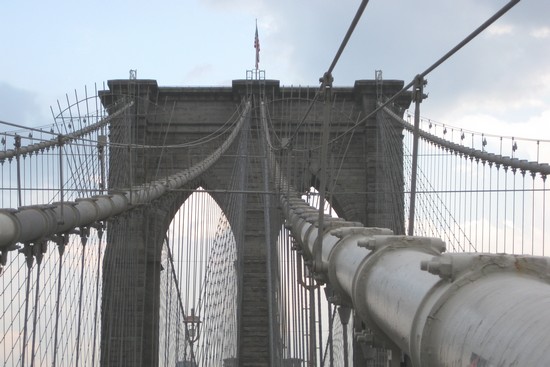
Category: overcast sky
[498,83]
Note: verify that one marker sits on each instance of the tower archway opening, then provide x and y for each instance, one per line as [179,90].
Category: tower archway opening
[199,289]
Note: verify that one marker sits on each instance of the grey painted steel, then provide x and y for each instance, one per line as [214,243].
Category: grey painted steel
[41,222]
[441,309]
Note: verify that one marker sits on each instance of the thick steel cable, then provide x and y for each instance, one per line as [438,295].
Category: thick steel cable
[123,200]
[311,310]
[475,153]
[432,67]
[330,69]
[348,35]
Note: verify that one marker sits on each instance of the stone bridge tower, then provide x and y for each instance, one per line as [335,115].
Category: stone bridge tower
[364,190]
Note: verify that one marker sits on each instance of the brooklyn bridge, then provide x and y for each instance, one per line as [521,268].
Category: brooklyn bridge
[259,224]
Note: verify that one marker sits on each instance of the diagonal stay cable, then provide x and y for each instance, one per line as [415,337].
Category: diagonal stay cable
[432,67]
[351,28]
[178,292]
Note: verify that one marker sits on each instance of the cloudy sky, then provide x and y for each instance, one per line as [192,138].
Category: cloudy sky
[499,83]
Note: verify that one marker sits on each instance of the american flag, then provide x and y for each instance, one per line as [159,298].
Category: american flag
[257,47]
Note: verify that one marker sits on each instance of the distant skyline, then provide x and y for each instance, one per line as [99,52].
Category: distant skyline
[500,83]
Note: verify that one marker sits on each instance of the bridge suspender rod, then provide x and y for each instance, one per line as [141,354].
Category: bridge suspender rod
[418,96]
[327,83]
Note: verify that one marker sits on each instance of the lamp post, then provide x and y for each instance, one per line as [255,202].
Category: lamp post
[192,331]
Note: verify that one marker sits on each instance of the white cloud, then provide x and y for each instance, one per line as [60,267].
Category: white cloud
[19,106]
[541,33]
[198,73]
[532,135]
[500,29]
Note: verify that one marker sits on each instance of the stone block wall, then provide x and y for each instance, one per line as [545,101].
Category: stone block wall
[358,177]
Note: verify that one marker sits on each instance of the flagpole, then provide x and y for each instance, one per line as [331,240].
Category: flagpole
[257,46]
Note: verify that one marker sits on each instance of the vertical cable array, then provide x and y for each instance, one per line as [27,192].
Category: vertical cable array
[474,199]
[53,297]
[51,291]
[48,331]
[201,287]
[303,310]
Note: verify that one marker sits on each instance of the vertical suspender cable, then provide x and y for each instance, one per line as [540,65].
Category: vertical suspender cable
[331,315]
[38,252]
[483,207]
[514,170]
[418,95]
[543,211]
[523,211]
[477,202]
[496,209]
[27,250]
[18,162]
[166,309]
[320,328]
[533,175]
[97,289]
[267,225]
[84,240]
[327,85]
[62,241]
[505,205]
[462,238]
